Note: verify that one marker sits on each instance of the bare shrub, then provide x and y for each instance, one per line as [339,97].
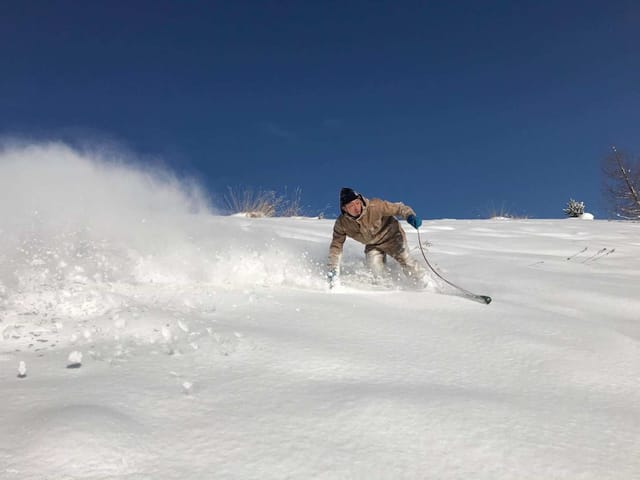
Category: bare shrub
[622,184]
[502,212]
[574,208]
[261,203]
[292,207]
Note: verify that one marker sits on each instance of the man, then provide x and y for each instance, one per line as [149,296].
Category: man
[373,223]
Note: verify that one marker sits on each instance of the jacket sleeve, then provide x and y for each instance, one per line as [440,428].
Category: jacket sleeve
[397,209]
[335,249]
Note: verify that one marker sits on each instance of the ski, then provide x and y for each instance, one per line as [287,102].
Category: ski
[482,299]
[485,299]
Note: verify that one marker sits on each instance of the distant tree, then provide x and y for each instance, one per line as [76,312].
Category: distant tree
[574,208]
[622,184]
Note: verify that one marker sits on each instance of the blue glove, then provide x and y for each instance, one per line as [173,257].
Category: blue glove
[332,277]
[414,221]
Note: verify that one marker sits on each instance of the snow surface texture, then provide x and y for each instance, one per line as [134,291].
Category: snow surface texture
[210,347]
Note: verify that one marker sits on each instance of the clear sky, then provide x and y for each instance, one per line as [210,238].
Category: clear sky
[457,108]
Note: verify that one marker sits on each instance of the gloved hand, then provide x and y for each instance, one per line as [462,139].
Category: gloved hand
[414,221]
[332,277]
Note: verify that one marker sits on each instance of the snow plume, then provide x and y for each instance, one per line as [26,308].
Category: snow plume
[74,210]
[84,233]
[104,191]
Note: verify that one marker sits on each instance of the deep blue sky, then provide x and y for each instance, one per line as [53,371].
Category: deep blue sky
[457,108]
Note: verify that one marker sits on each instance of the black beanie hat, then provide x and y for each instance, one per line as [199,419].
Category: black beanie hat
[347,195]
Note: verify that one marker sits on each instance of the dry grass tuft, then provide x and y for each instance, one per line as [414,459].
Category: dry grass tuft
[263,203]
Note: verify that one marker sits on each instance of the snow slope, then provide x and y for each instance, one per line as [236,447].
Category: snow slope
[211,347]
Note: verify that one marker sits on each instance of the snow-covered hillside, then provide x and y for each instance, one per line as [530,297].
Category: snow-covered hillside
[205,346]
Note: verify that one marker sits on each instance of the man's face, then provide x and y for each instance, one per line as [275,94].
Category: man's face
[354,207]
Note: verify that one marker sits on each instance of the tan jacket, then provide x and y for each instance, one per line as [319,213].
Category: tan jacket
[376,226]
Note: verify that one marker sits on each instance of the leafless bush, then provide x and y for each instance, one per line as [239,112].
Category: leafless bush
[574,208]
[292,207]
[263,203]
[503,212]
[622,184]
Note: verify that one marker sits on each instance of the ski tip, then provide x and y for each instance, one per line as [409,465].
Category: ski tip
[481,299]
